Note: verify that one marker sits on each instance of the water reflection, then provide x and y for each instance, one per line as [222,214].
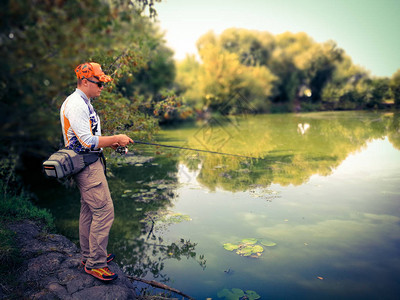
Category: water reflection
[291,148]
[302,128]
[141,196]
[394,131]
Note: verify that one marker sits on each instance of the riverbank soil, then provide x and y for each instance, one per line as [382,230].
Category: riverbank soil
[52,269]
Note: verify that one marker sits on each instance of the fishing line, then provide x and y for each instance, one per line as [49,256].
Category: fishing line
[124,150]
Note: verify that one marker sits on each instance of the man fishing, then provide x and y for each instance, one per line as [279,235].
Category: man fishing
[82,133]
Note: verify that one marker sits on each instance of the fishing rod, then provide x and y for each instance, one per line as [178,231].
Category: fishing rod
[123,150]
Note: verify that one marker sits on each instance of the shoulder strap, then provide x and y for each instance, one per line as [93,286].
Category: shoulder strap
[61,146]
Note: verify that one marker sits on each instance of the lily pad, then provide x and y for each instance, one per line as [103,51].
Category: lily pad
[249,241]
[234,294]
[178,218]
[268,243]
[172,218]
[230,247]
[250,250]
[258,249]
[238,294]
[252,295]
[247,247]
[162,187]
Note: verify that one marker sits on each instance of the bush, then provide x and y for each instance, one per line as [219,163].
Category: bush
[15,203]
[19,207]
[10,257]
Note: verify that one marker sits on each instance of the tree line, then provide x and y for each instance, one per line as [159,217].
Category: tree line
[288,72]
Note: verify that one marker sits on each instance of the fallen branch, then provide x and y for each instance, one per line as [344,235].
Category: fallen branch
[152,227]
[159,285]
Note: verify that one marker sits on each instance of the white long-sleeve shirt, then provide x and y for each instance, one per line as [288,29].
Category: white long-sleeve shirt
[80,123]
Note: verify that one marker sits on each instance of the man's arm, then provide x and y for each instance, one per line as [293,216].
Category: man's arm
[114,141]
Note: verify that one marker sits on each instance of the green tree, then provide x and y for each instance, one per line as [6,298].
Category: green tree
[43,41]
[253,47]
[347,87]
[395,87]
[317,65]
[227,71]
[379,92]
[220,76]
[282,64]
[187,81]
[157,74]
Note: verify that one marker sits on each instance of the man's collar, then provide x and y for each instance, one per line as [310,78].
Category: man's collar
[83,95]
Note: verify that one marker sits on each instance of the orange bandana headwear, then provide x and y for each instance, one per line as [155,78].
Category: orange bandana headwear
[92,69]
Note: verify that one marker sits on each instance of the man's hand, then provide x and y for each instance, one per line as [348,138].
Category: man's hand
[115,146]
[124,140]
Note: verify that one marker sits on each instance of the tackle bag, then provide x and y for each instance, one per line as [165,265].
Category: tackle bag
[66,162]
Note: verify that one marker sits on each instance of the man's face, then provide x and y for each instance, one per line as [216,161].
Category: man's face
[93,88]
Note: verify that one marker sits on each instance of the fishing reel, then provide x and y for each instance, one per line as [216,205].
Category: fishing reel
[122,150]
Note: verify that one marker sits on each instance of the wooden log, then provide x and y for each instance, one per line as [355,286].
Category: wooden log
[159,285]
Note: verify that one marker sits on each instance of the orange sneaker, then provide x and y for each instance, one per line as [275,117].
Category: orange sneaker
[102,273]
[110,257]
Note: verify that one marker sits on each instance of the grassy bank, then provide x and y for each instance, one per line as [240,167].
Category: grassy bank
[15,207]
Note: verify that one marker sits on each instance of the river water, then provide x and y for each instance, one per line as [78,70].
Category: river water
[313,214]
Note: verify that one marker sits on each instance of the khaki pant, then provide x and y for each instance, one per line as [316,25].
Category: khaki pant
[97,214]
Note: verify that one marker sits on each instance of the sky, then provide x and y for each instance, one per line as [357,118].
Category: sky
[367,30]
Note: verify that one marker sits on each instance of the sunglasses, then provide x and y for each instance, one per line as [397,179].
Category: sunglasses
[99,83]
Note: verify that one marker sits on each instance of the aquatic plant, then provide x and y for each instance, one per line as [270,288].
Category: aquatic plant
[238,294]
[247,247]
